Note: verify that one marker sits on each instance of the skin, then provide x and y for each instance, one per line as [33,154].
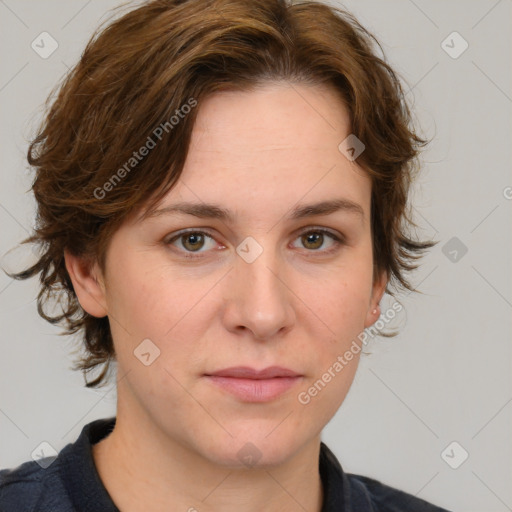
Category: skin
[297,305]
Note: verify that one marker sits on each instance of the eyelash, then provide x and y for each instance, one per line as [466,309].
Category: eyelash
[338,240]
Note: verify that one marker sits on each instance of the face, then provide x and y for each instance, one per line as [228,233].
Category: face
[268,284]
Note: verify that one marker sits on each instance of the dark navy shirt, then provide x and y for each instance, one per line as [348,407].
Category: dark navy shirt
[71,483]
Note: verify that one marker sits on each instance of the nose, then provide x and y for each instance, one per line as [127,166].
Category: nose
[258,298]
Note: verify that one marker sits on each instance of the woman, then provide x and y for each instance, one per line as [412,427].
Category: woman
[222,191]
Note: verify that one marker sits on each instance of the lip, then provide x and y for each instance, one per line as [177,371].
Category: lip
[251,385]
[246,372]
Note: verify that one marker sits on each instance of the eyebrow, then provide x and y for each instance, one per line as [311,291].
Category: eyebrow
[212,211]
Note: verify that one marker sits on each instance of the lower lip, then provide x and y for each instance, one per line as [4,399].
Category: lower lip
[255,390]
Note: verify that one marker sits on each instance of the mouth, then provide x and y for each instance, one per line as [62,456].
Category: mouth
[251,385]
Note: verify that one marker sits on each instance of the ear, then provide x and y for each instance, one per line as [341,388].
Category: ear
[88,284]
[378,290]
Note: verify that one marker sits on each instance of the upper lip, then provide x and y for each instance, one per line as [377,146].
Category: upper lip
[245,372]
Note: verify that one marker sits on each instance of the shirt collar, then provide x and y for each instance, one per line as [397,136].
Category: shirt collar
[79,473]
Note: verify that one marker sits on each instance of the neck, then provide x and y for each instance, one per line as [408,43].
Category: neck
[143,469]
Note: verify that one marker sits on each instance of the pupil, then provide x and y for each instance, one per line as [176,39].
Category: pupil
[314,238]
[194,238]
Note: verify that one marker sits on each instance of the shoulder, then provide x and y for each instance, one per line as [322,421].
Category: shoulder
[32,486]
[357,493]
[385,498]
[63,483]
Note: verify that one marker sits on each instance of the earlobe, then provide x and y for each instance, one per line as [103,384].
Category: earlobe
[379,288]
[87,283]
[372,316]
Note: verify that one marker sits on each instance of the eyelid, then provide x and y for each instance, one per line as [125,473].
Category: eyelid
[305,229]
[175,236]
[320,229]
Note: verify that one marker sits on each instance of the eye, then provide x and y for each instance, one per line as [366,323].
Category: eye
[192,241]
[314,239]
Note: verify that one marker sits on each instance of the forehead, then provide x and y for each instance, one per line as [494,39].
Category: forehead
[274,116]
[268,148]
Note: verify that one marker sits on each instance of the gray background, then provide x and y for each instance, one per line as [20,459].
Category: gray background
[445,378]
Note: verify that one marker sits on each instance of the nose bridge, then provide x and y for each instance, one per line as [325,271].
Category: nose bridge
[260,277]
[260,299]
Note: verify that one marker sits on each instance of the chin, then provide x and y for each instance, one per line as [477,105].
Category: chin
[254,450]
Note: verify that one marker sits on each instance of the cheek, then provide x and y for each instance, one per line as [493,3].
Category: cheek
[143,296]
[168,308]
[335,347]
[340,298]
[340,305]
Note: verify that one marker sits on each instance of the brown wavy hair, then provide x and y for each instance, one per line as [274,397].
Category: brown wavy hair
[139,71]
